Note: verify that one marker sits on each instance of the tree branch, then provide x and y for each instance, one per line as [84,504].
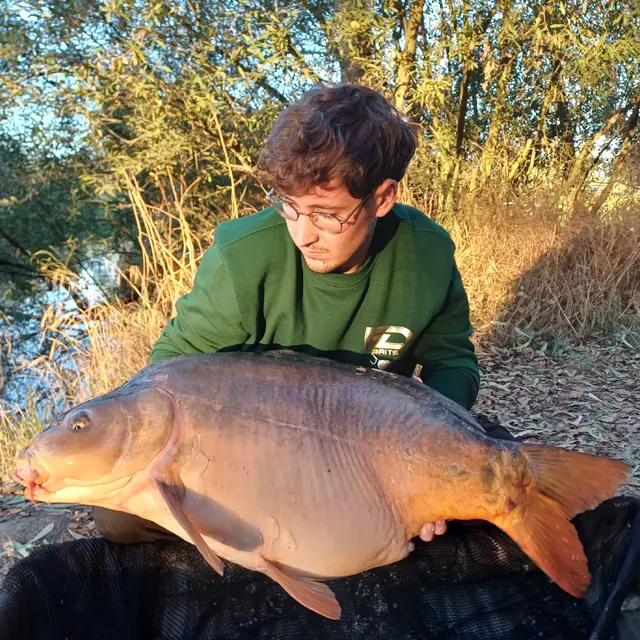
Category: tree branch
[406,65]
[570,184]
[624,152]
[14,243]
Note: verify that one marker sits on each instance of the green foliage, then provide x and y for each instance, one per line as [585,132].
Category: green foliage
[44,208]
[512,97]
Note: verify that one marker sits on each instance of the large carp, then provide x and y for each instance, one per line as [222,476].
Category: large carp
[306,469]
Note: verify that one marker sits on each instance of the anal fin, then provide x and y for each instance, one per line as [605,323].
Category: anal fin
[170,495]
[309,592]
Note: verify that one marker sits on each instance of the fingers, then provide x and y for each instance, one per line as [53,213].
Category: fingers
[427,532]
[432,529]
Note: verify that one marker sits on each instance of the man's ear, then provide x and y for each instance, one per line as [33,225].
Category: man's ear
[385,197]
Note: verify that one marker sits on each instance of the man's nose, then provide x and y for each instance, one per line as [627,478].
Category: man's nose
[303,231]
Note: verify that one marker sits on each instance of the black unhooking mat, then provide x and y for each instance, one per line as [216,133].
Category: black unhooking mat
[473,583]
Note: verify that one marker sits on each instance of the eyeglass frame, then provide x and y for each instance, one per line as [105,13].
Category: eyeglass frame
[272,195]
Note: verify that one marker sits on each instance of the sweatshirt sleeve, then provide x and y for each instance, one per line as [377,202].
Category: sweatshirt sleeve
[207,318]
[445,351]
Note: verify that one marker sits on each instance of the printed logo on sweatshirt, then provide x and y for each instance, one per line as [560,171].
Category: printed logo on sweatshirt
[386,342]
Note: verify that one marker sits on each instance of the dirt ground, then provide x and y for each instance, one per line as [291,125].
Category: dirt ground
[585,398]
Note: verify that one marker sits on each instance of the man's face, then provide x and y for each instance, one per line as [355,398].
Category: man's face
[344,252]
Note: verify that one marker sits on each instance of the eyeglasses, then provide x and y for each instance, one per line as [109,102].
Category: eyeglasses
[328,222]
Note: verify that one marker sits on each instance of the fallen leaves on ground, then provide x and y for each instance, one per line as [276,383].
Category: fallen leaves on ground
[585,399]
[25,526]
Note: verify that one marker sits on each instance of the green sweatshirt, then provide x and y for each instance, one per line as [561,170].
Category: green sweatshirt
[405,310]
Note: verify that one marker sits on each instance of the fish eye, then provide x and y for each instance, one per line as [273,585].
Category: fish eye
[80,422]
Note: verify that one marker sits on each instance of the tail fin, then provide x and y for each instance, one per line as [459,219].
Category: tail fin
[564,484]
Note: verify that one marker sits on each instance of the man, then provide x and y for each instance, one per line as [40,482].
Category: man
[333,267]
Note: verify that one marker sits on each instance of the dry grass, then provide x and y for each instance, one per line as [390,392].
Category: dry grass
[491,258]
[520,269]
[119,336]
[542,279]
[17,429]
[585,283]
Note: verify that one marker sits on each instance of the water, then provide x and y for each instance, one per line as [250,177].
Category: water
[27,378]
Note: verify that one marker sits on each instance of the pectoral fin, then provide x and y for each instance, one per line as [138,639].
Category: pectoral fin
[170,494]
[311,593]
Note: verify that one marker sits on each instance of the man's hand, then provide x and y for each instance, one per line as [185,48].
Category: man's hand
[432,529]
[428,532]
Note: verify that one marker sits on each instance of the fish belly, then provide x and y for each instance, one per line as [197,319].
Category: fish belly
[301,498]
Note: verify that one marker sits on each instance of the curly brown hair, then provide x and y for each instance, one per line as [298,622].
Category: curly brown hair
[347,131]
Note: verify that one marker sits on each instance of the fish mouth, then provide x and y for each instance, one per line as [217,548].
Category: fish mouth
[28,474]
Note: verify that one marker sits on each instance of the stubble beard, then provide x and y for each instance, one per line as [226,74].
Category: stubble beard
[321,266]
